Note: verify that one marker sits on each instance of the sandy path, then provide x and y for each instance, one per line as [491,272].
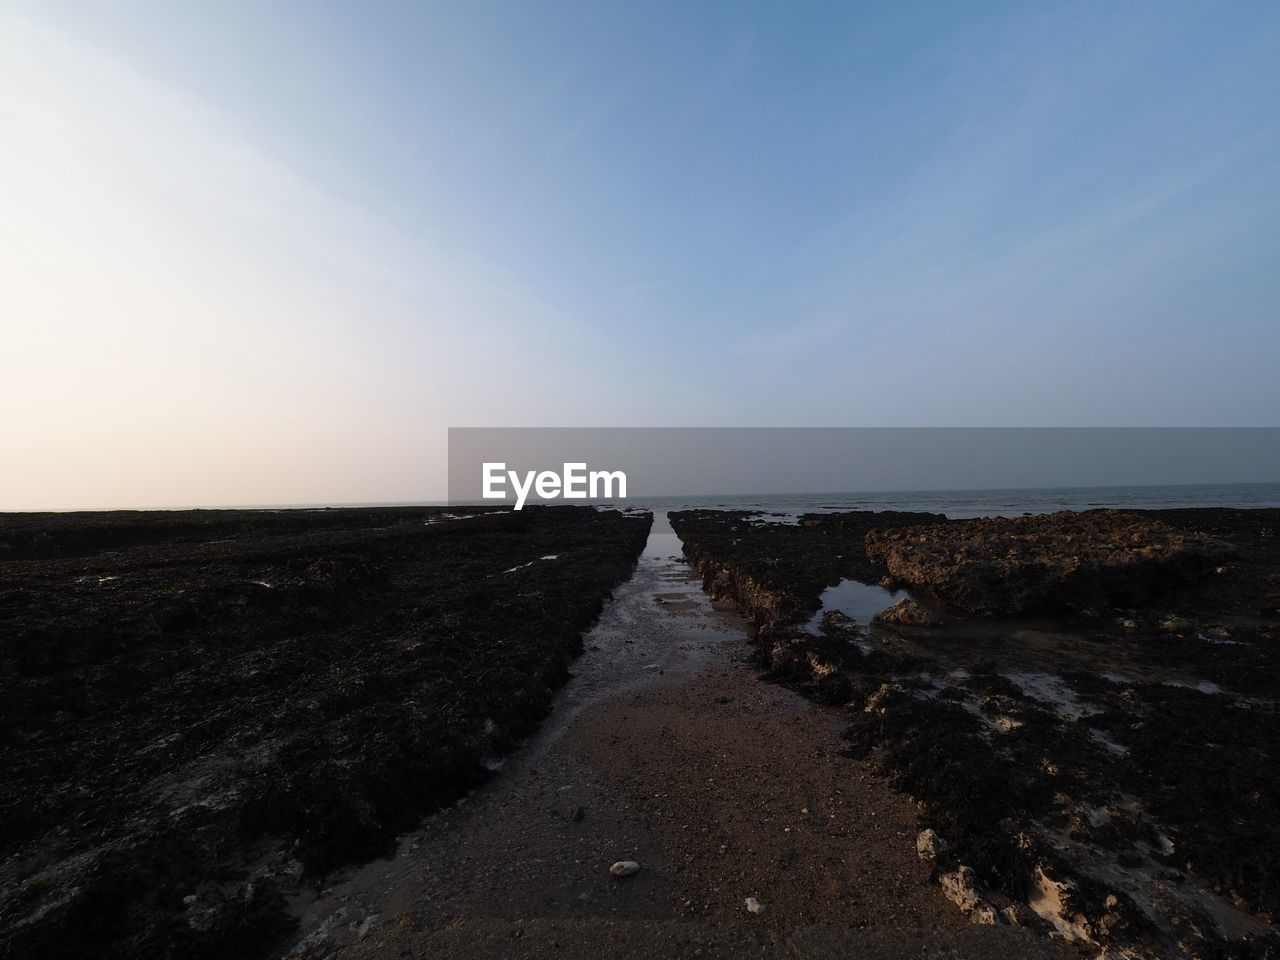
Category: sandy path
[665,749]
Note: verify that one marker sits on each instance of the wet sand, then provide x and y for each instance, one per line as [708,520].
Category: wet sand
[665,748]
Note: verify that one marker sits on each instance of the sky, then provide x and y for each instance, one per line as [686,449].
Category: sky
[268,253]
[487,462]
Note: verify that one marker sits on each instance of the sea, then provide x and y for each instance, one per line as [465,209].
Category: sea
[956,504]
[963,504]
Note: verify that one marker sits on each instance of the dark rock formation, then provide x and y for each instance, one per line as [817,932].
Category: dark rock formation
[200,709]
[776,572]
[1105,782]
[1062,561]
[907,613]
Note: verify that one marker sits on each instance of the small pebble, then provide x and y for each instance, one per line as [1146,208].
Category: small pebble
[754,905]
[624,868]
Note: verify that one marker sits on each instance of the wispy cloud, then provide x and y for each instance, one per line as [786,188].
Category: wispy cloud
[182,311]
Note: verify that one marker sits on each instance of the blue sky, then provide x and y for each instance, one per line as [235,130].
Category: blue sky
[270,251]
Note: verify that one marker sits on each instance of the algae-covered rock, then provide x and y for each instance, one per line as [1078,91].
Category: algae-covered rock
[998,566]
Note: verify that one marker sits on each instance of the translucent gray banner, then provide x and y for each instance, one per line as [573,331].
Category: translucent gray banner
[546,465]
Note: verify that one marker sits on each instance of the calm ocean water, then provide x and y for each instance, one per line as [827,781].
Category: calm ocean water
[957,504]
[984,503]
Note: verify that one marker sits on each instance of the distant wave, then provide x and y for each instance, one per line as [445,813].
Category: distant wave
[984,503]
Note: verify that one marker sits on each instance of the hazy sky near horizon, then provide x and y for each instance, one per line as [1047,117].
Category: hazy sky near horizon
[256,253]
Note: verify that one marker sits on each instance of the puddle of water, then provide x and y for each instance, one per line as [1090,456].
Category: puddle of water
[1221,641]
[1147,885]
[856,600]
[1029,647]
[662,546]
[649,627]
[1102,740]
[1054,691]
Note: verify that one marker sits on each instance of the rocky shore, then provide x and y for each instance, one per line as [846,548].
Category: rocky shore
[1063,561]
[671,806]
[778,570]
[1085,705]
[208,717]
[201,710]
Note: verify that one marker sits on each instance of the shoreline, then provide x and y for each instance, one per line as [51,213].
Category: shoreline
[1013,500]
[1071,764]
[943,728]
[202,713]
[665,749]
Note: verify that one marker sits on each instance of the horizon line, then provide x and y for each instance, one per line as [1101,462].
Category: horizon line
[374,504]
